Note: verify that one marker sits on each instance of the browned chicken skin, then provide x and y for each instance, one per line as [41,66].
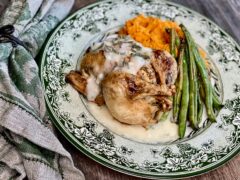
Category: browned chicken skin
[131,99]
[77,80]
[165,66]
[147,73]
[115,89]
[93,63]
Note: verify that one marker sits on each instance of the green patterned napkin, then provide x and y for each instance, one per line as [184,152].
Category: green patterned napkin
[28,146]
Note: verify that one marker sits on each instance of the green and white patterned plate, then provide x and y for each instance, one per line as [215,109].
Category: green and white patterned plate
[200,152]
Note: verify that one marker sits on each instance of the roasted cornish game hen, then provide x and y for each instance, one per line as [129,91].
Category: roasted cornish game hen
[132,98]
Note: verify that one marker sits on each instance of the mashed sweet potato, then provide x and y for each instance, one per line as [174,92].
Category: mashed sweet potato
[151,31]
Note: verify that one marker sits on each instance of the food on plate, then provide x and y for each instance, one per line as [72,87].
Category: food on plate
[151,32]
[134,99]
[146,70]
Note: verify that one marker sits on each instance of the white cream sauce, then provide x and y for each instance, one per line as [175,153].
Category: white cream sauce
[122,54]
[92,88]
[134,65]
[164,131]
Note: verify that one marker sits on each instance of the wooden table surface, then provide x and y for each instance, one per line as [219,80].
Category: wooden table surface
[225,13]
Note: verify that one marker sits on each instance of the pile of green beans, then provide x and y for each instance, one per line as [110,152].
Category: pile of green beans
[193,86]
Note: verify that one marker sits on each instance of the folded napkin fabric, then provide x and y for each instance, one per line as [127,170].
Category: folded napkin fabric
[28,146]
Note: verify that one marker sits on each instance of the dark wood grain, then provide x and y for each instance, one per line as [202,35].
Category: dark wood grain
[226,14]
[3,4]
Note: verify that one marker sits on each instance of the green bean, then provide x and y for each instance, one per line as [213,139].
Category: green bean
[172,42]
[204,76]
[196,98]
[216,102]
[201,90]
[207,86]
[177,41]
[184,100]
[200,108]
[179,83]
[192,112]
[177,44]
[164,116]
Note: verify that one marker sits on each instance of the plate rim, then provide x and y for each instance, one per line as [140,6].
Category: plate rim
[74,141]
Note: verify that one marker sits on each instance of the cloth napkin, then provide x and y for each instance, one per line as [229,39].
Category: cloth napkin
[28,146]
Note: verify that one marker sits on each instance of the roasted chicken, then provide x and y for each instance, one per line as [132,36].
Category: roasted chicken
[132,98]
[116,93]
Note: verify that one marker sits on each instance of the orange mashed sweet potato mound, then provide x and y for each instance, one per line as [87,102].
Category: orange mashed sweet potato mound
[150,31]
